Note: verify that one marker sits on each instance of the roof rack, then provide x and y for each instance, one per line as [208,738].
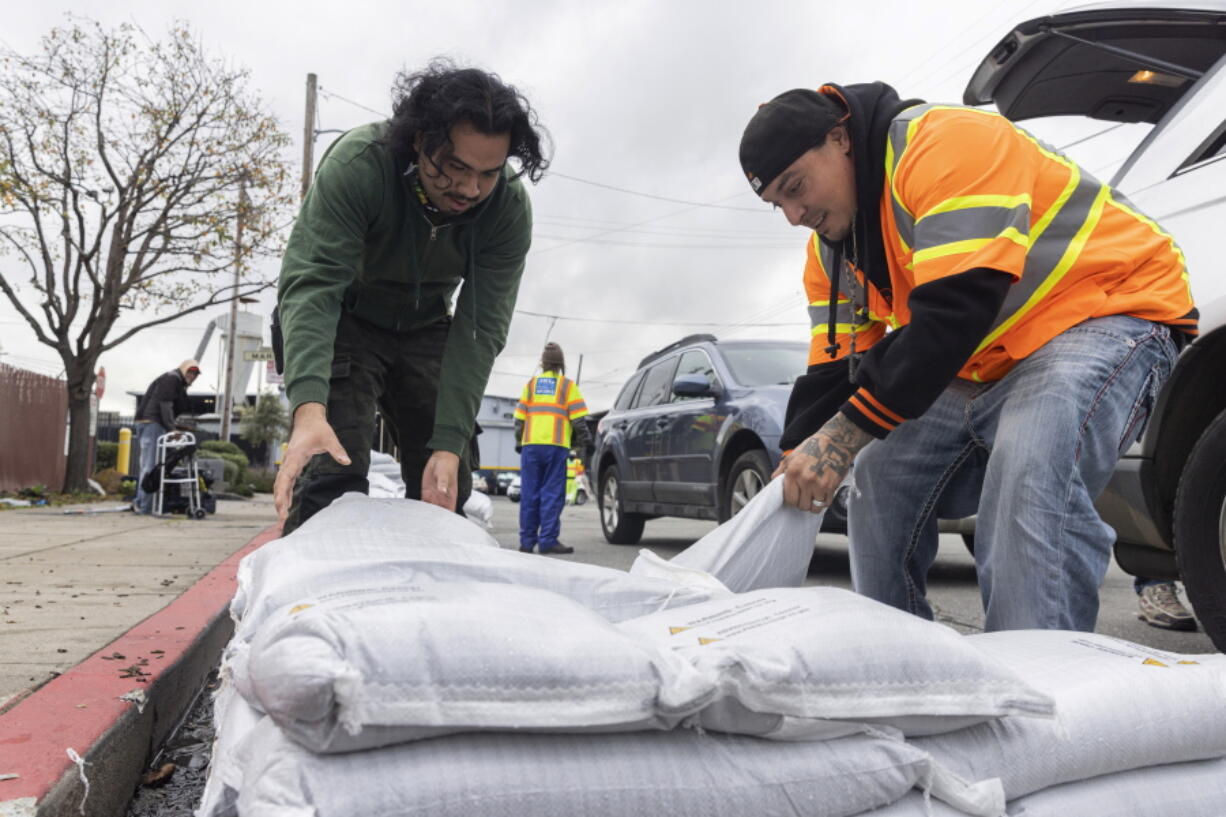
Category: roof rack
[685,341]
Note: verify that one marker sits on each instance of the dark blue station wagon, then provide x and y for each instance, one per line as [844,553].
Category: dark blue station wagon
[695,433]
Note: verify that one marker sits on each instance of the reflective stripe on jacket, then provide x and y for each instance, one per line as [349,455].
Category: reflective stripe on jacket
[966,189]
[547,406]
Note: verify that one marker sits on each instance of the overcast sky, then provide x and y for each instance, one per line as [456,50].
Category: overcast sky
[649,96]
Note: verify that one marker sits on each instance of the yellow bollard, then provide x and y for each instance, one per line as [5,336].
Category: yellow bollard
[123,458]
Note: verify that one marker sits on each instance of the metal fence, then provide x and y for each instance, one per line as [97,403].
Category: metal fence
[33,429]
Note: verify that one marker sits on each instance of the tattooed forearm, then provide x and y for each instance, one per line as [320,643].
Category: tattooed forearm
[835,446]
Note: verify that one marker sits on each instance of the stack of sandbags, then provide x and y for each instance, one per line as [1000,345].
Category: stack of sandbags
[395,638]
[389,658]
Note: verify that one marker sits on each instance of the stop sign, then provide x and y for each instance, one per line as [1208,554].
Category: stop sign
[100,382]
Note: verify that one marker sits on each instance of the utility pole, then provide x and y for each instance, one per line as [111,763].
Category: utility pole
[579,371]
[308,135]
[227,406]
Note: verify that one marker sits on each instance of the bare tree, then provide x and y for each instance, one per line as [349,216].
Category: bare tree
[121,160]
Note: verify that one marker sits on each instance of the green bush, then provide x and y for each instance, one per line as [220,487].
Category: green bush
[106,455]
[262,479]
[243,489]
[229,471]
[222,447]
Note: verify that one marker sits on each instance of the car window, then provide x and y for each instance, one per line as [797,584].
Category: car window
[657,384]
[762,364]
[695,362]
[1213,148]
[627,393]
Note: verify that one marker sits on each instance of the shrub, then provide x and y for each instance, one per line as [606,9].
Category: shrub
[106,455]
[109,479]
[262,479]
[229,471]
[222,447]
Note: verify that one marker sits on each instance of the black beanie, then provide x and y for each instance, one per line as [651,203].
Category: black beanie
[782,130]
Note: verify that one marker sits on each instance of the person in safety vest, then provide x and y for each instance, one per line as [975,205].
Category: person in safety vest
[994,320]
[547,412]
[574,477]
[401,213]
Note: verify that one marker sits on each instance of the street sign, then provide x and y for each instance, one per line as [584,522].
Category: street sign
[270,375]
[263,353]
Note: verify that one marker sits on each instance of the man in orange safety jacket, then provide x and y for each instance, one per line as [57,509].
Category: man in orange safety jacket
[996,319]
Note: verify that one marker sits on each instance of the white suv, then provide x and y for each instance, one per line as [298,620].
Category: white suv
[1165,64]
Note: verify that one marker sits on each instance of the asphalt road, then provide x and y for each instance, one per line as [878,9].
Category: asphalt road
[952,588]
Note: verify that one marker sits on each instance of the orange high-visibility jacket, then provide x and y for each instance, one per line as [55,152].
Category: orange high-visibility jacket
[966,189]
[547,406]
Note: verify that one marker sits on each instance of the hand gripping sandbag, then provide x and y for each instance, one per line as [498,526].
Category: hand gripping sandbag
[790,661]
[765,545]
[362,671]
[680,774]
[1119,706]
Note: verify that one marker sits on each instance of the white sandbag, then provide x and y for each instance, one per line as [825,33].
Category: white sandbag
[1194,789]
[679,773]
[385,464]
[362,544]
[233,722]
[1119,706]
[381,487]
[765,545]
[363,671]
[829,654]
[480,508]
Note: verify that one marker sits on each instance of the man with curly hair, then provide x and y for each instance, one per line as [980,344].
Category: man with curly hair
[401,214]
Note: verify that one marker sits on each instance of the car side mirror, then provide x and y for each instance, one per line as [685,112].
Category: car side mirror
[694,385]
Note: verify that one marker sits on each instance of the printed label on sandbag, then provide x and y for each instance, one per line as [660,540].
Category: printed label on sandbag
[823,652]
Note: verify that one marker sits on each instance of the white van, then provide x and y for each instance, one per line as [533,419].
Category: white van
[1163,63]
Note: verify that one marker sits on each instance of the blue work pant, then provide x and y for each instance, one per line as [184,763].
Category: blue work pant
[1029,453]
[542,486]
[147,438]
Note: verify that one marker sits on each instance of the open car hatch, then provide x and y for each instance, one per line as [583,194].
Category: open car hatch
[1102,61]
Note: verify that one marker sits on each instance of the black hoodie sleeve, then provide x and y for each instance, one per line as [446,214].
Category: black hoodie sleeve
[816,397]
[900,377]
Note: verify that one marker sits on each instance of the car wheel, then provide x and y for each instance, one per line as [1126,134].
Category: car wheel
[580,497]
[513,498]
[748,476]
[620,527]
[1200,530]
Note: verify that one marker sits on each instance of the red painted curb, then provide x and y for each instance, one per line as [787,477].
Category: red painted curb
[77,708]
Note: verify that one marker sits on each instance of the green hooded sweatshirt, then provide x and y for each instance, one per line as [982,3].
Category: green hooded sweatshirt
[363,242]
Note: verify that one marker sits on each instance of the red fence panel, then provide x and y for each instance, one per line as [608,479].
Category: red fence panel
[33,429]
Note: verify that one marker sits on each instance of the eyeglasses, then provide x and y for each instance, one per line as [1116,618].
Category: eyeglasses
[450,170]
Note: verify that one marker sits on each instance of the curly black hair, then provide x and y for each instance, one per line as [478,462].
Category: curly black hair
[433,100]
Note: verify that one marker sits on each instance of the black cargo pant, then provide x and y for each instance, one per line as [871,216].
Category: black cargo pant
[397,372]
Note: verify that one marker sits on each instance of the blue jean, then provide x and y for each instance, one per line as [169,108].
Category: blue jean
[542,493]
[1030,453]
[147,435]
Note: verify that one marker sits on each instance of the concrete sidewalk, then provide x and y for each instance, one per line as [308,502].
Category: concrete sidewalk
[97,605]
[71,584]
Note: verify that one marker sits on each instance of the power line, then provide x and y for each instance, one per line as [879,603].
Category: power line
[334,95]
[761,245]
[707,324]
[758,210]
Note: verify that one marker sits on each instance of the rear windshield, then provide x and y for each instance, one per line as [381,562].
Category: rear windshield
[763,364]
